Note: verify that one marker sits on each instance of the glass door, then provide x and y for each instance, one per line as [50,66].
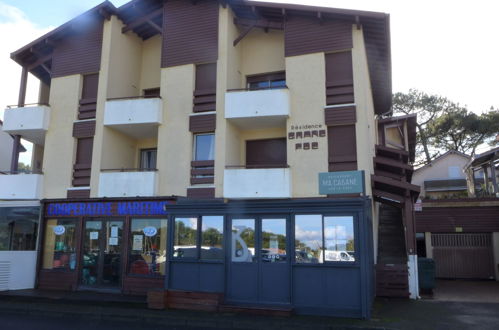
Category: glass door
[102,252]
[259,269]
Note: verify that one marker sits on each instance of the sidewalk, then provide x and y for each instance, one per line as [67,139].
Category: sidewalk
[387,314]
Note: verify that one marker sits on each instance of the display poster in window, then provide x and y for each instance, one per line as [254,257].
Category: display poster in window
[114,231]
[59,230]
[113,240]
[150,231]
[94,235]
[137,242]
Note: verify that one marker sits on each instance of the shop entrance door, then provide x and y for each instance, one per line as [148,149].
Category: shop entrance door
[102,254]
[259,267]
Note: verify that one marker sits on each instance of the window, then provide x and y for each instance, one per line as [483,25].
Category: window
[266,153]
[273,240]
[243,240]
[208,228]
[321,239]
[204,146]
[148,159]
[18,228]
[454,172]
[267,81]
[151,92]
[59,250]
[148,246]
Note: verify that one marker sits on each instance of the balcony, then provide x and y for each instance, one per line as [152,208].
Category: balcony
[250,109]
[128,183]
[135,117]
[30,121]
[257,183]
[21,186]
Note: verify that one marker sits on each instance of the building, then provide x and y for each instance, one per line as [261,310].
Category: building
[222,147]
[444,177]
[18,222]
[484,163]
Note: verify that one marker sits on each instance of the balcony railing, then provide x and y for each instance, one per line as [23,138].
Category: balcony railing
[258,108]
[21,185]
[31,121]
[137,117]
[242,182]
[128,183]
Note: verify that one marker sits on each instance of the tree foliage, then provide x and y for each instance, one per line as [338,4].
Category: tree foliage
[444,125]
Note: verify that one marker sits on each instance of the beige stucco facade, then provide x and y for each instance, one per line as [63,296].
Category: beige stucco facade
[59,152]
[129,65]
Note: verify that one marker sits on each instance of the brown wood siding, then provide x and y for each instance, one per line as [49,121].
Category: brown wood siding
[201,193]
[339,78]
[84,193]
[205,93]
[392,280]
[340,116]
[342,148]
[56,280]
[84,129]
[191,32]
[472,219]
[202,123]
[139,286]
[83,163]
[306,35]
[79,53]
[266,153]
[88,101]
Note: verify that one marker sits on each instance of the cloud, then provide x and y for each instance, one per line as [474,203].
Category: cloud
[16,31]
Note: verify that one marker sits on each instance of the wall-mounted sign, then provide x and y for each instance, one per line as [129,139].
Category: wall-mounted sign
[306,137]
[418,206]
[345,182]
[459,229]
[96,209]
[59,230]
[150,231]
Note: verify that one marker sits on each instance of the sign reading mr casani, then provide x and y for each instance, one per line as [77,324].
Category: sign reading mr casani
[345,182]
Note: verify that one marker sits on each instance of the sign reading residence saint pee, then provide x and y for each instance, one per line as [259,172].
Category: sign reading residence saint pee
[345,182]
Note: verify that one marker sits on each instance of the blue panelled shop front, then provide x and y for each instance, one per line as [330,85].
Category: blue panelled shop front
[311,256]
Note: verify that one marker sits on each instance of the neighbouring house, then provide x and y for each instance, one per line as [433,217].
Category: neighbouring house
[238,152]
[487,165]
[444,177]
[461,232]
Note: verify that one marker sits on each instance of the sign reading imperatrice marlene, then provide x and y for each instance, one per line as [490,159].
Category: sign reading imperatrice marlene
[346,182]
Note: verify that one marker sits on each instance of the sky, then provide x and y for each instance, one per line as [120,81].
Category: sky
[445,47]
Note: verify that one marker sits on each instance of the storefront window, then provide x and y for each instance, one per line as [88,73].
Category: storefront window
[185,245]
[321,239]
[18,228]
[339,239]
[308,238]
[212,235]
[273,240]
[59,250]
[148,242]
[243,240]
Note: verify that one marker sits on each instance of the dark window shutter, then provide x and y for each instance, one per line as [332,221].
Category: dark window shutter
[266,153]
[339,78]
[342,148]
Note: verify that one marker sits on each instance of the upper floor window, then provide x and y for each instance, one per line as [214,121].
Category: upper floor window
[267,80]
[266,153]
[148,159]
[151,92]
[204,146]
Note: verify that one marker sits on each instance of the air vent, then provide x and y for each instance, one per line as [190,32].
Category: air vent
[4,275]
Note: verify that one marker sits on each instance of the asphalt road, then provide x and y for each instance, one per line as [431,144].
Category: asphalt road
[39,322]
